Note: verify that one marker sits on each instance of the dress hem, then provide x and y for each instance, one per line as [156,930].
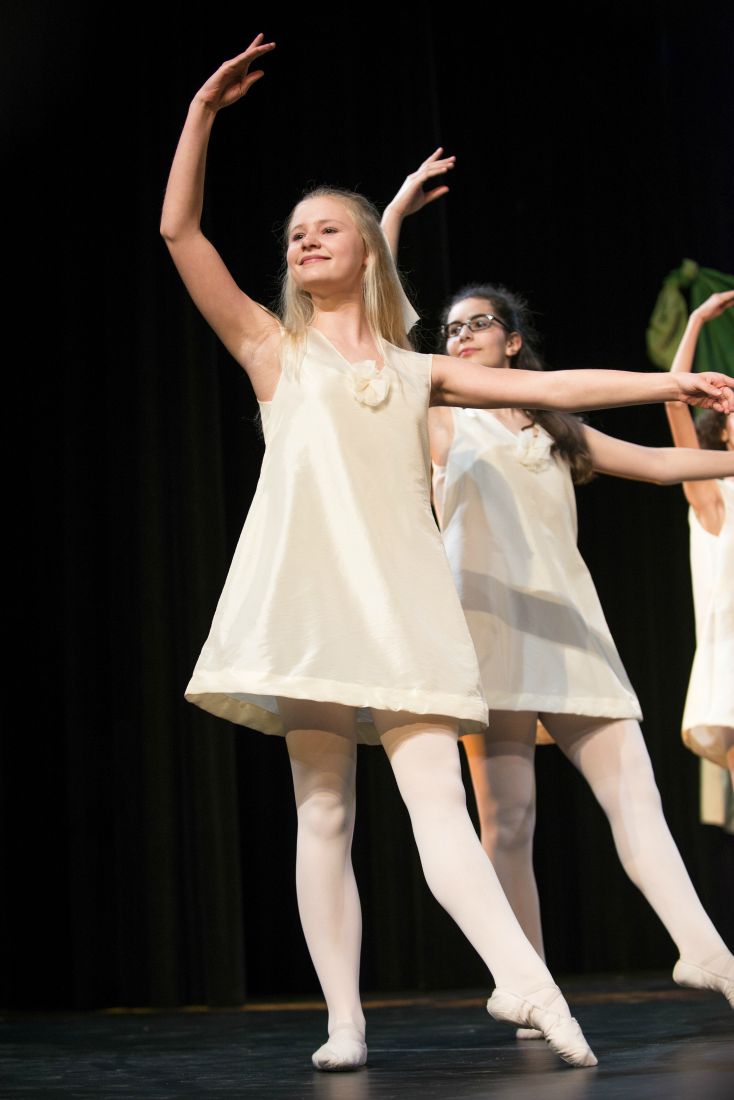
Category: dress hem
[709,740]
[592,706]
[236,698]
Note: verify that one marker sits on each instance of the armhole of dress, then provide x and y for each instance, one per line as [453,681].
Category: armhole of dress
[726,488]
[267,404]
[438,491]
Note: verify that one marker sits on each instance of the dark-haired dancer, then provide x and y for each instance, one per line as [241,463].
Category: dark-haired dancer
[708,717]
[503,489]
[322,619]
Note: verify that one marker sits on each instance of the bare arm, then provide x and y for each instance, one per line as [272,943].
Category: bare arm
[456,382]
[681,423]
[248,331]
[661,465]
[703,496]
[411,197]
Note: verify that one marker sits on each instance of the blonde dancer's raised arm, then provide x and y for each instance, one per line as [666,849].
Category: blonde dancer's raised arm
[248,331]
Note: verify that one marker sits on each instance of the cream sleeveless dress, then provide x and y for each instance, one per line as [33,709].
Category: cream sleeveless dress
[708,717]
[507,509]
[339,589]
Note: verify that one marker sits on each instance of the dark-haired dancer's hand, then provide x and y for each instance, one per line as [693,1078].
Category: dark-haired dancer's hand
[412,197]
[233,79]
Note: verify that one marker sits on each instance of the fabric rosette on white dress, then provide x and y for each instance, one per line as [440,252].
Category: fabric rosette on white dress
[369,384]
[533,448]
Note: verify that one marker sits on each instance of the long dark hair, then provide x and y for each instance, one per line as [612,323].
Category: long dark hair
[564,428]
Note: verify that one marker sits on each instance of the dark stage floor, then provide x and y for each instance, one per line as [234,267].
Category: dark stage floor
[652,1040]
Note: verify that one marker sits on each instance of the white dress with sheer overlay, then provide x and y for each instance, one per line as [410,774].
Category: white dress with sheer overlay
[339,589]
[508,515]
[708,717]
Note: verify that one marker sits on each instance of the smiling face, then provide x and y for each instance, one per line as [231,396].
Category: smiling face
[491,347]
[326,252]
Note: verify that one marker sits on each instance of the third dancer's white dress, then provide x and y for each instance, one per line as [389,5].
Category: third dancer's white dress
[508,514]
[708,719]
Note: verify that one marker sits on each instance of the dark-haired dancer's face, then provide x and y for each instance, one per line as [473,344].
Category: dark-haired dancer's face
[491,346]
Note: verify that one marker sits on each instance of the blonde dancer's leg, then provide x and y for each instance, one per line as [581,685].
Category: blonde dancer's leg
[423,752]
[613,758]
[321,741]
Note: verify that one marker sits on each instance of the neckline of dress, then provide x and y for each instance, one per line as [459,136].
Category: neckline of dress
[508,431]
[358,362]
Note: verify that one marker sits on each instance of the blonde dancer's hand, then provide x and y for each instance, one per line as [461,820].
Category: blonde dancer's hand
[707,390]
[233,79]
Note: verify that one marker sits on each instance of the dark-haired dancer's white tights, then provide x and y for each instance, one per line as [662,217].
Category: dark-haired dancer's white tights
[424,756]
[612,757]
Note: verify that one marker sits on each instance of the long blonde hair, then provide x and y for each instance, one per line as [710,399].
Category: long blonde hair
[381,288]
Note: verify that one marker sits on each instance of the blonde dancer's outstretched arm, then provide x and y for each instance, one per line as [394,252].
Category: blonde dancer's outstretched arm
[470,385]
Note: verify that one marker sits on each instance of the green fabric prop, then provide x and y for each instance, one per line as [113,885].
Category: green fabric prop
[715,350]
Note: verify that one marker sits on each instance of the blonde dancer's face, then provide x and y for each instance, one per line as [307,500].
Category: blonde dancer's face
[490,346]
[326,253]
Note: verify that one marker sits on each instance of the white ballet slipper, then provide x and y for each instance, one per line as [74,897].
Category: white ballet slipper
[528,1033]
[560,1030]
[699,977]
[344,1050]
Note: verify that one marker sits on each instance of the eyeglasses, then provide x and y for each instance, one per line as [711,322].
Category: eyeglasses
[478,323]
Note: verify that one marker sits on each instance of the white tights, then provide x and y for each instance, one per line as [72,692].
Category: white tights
[424,755]
[612,757]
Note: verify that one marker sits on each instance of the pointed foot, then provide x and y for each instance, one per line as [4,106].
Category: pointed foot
[559,1029]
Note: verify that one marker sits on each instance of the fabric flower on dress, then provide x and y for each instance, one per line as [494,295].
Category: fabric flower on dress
[369,385]
[533,448]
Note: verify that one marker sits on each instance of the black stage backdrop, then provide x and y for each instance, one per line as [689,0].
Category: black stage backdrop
[147,851]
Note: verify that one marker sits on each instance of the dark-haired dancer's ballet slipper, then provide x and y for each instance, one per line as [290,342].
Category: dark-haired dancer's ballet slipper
[709,976]
[560,1030]
[344,1050]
